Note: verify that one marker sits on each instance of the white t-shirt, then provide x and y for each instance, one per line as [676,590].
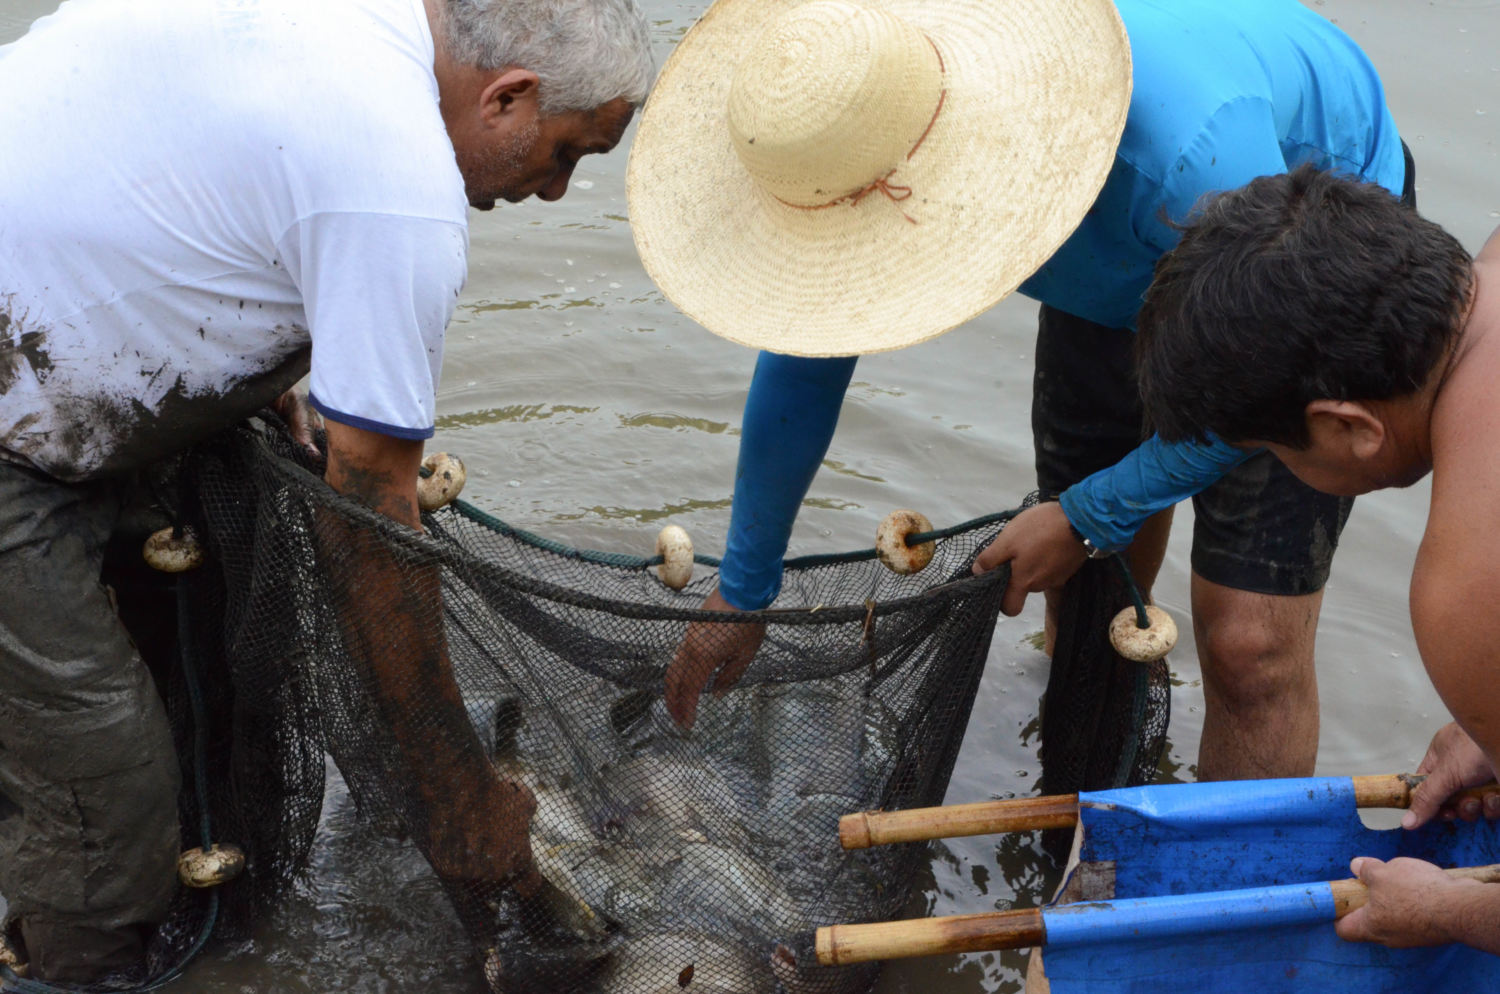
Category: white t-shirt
[192,193]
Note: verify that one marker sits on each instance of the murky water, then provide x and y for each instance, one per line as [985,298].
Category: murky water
[588,410]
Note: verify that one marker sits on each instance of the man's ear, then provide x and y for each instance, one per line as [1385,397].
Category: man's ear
[511,91]
[1348,424]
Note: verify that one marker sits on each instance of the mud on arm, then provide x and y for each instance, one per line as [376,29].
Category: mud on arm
[390,613]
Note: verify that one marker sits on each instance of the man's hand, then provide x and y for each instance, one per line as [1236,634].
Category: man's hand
[1453,762]
[1408,904]
[706,649]
[1042,551]
[300,416]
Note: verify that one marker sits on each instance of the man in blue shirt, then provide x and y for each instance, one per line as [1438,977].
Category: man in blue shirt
[1223,91]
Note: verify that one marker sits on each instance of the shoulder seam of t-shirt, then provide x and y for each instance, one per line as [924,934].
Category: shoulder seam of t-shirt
[403,215]
[1203,126]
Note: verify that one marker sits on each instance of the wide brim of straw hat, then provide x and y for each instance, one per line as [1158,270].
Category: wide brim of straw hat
[1037,95]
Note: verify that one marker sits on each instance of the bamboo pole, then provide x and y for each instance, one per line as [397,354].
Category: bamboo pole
[1024,814]
[838,945]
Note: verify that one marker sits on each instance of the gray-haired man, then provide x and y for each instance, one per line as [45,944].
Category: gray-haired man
[202,202]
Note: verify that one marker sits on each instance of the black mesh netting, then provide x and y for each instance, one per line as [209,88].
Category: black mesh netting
[1104,717]
[498,700]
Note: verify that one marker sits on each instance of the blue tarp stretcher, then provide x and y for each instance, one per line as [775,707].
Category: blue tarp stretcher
[1220,888]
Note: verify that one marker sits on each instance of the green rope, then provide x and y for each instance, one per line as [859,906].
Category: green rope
[1141,621]
[624,561]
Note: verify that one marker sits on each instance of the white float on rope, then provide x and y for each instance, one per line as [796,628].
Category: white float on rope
[891,547]
[445,483]
[173,553]
[218,864]
[676,550]
[1143,645]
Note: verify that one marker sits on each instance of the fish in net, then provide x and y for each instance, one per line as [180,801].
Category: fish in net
[496,699]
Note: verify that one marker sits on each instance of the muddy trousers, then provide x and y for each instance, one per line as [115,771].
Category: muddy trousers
[88,776]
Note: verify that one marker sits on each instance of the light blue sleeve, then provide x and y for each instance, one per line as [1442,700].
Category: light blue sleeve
[790,415]
[1110,506]
[1238,143]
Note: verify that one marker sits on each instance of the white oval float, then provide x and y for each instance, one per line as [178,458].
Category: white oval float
[445,483]
[1143,645]
[676,550]
[891,547]
[218,864]
[173,553]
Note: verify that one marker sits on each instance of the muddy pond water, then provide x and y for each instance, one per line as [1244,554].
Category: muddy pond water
[590,411]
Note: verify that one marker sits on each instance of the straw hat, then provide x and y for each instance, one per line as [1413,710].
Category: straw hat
[833,177]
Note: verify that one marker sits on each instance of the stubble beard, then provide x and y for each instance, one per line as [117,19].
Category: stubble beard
[496,170]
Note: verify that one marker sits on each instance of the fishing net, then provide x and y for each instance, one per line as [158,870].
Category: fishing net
[497,700]
[1104,718]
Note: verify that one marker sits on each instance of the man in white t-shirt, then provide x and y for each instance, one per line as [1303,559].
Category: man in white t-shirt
[200,203]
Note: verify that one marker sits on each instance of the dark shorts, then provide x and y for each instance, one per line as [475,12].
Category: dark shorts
[1258,529]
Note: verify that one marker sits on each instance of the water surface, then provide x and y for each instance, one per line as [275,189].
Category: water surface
[590,411]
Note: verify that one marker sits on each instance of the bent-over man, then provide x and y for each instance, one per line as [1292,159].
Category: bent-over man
[1320,319]
[1223,92]
[200,203]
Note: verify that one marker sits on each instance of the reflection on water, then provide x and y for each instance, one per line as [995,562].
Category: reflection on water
[646,515]
[564,365]
[677,422]
[519,413]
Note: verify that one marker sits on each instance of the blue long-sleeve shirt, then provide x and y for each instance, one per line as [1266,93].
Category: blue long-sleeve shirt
[1224,91]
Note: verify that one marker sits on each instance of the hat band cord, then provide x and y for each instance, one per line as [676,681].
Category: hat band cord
[892,191]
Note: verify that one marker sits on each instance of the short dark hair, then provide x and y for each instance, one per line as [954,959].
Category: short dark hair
[1295,288]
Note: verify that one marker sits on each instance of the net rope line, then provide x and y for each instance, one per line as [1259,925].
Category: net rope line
[628,561]
[434,551]
[1141,620]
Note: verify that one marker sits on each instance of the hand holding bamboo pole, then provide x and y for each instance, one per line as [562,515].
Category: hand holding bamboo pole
[1023,814]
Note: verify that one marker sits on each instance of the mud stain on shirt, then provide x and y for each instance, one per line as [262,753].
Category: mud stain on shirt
[75,431]
[28,348]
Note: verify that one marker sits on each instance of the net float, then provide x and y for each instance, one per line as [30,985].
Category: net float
[676,550]
[1143,645]
[218,864]
[891,547]
[445,480]
[172,551]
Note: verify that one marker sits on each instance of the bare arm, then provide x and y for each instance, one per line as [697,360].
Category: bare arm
[391,613]
[1455,581]
[377,470]
[1490,253]
[1457,575]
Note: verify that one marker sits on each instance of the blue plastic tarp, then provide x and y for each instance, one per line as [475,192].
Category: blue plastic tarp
[1219,888]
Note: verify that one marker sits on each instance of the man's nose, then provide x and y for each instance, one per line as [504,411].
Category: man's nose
[556,186]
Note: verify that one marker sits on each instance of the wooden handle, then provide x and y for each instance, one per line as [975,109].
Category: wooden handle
[1025,814]
[840,944]
[1394,790]
[1351,894]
